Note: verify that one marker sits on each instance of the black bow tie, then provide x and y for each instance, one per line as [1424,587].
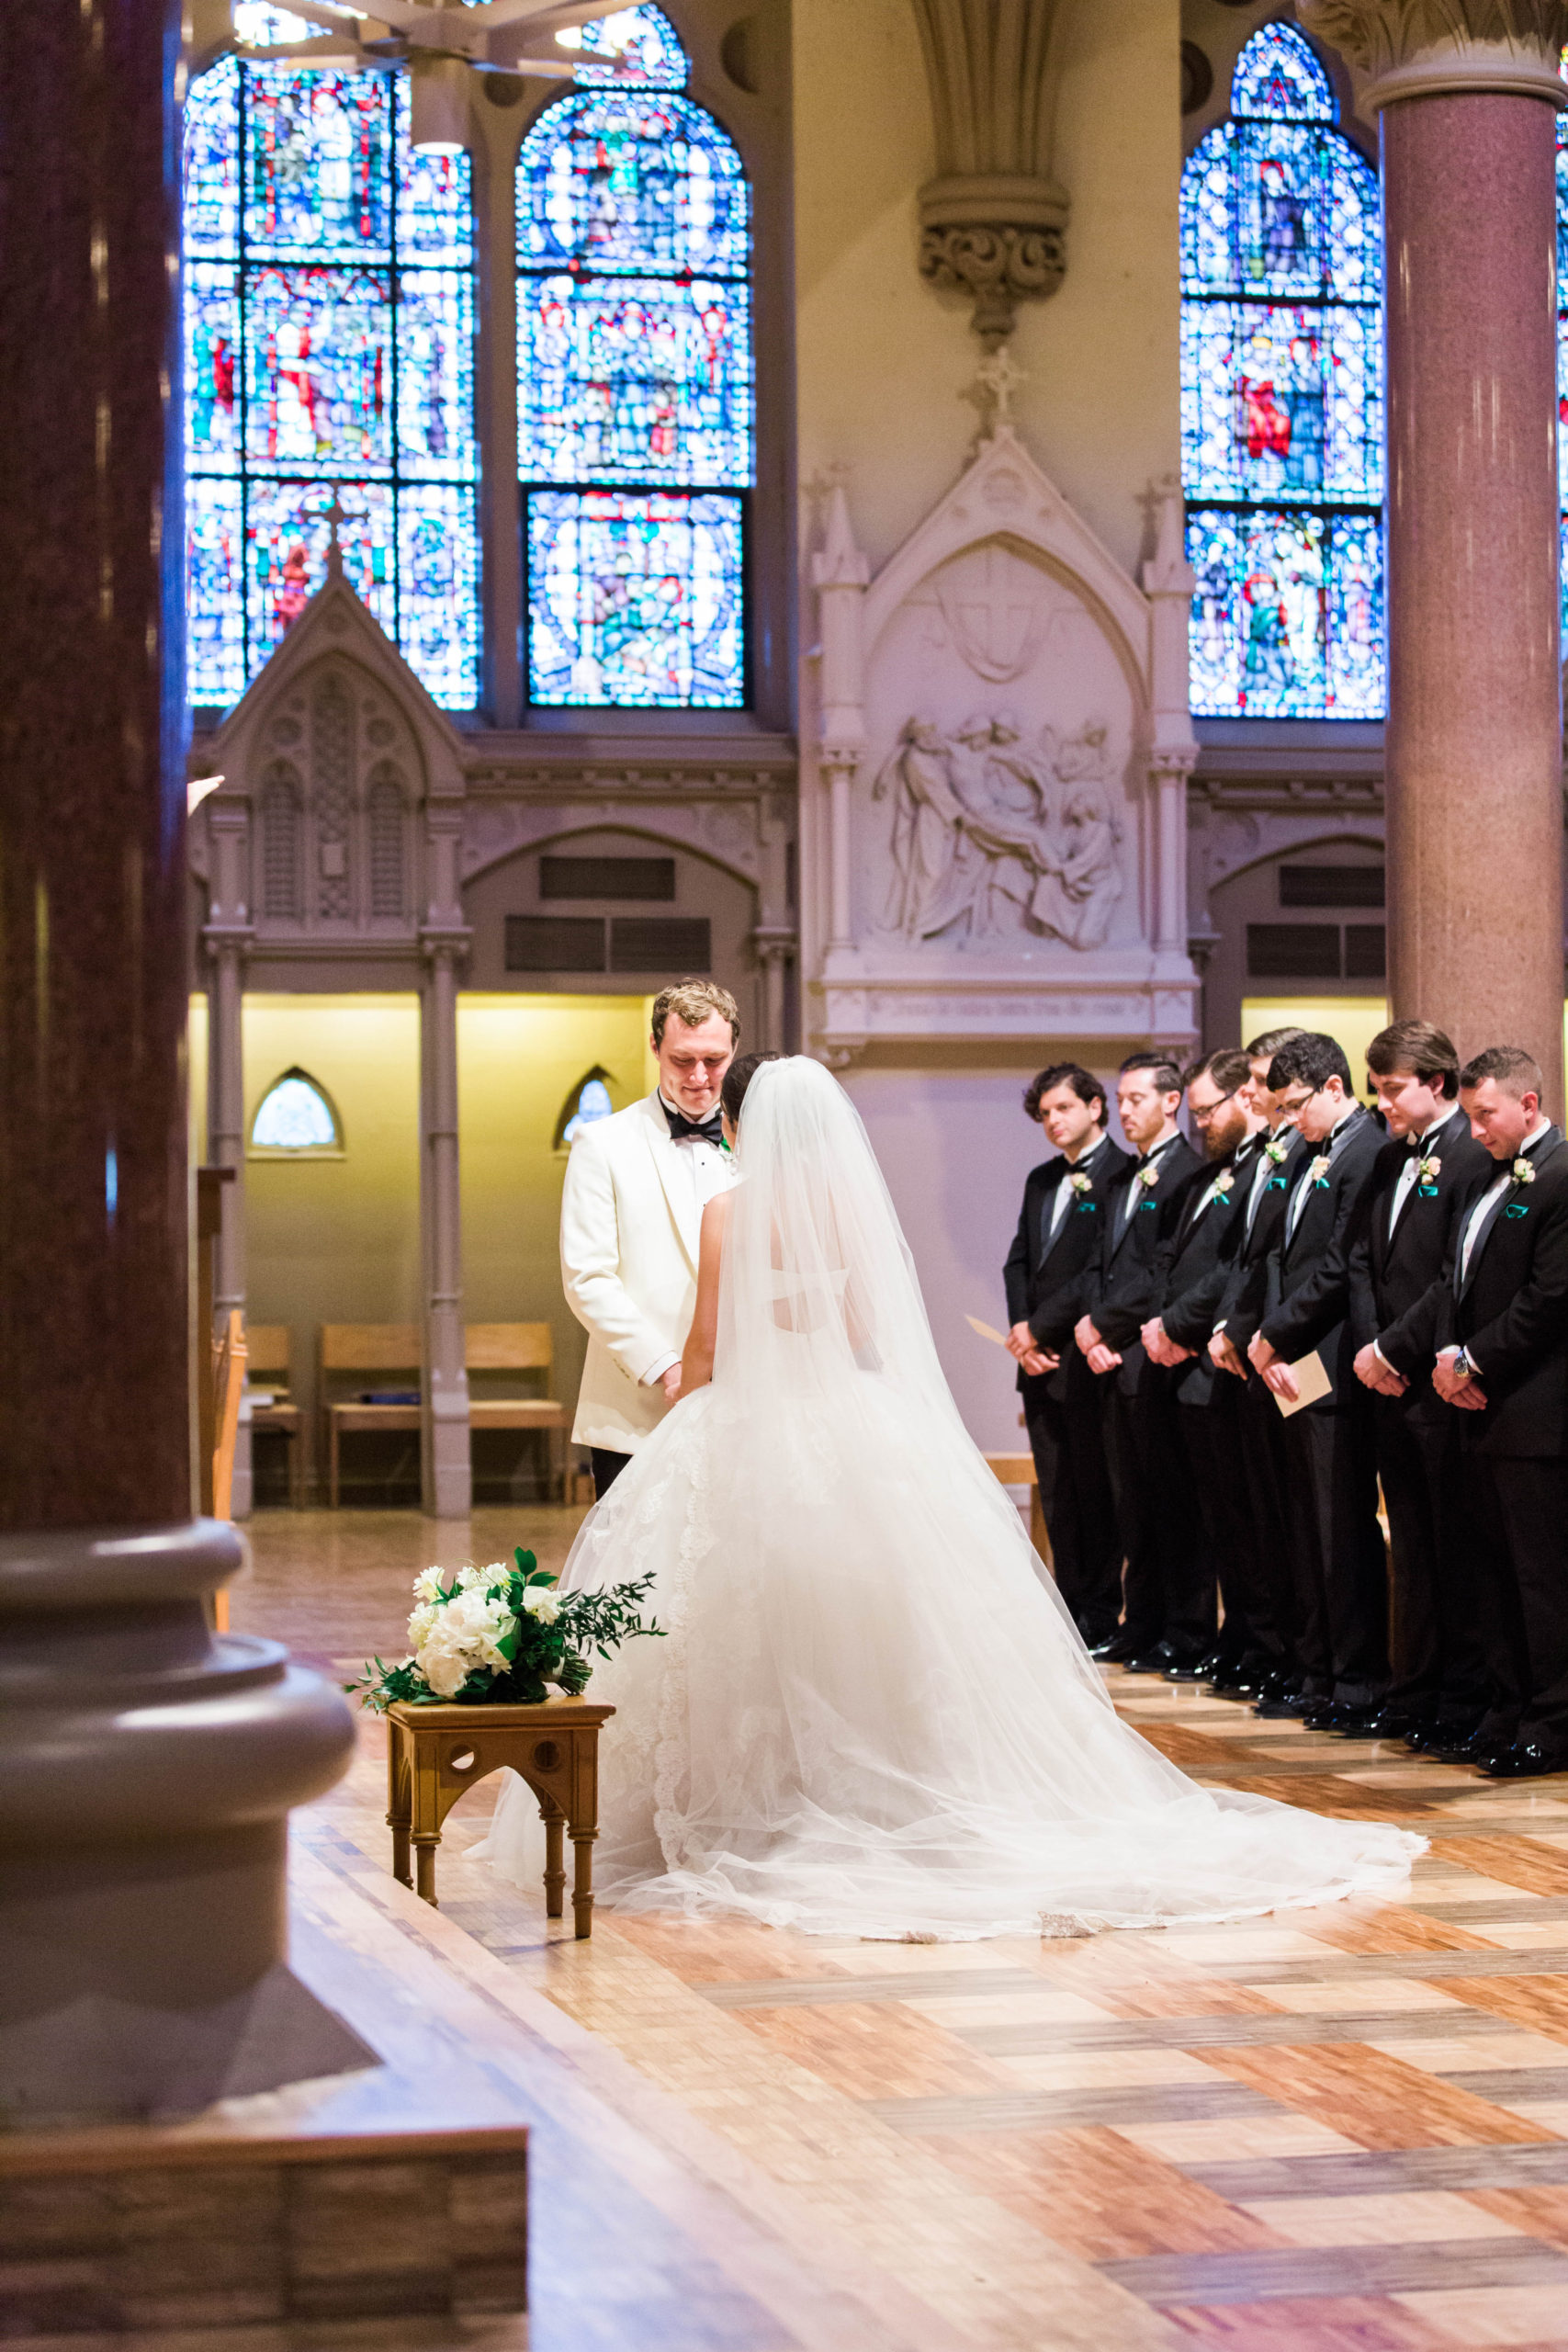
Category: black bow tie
[684,1130]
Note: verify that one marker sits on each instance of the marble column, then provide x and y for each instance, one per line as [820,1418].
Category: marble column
[148,1768]
[447,1480]
[1473,743]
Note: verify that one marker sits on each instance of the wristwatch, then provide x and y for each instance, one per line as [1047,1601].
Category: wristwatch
[1464,1368]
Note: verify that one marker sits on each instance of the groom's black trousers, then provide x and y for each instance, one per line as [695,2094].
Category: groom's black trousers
[607,1468]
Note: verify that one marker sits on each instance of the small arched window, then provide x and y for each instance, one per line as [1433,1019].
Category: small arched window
[587,1103]
[1281,400]
[635,383]
[295,1120]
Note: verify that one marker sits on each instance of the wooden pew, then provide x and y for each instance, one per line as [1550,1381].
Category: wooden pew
[270,1345]
[362,1349]
[518,1347]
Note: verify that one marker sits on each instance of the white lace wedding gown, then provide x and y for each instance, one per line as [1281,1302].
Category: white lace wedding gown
[871,1714]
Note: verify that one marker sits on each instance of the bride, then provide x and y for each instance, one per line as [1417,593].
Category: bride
[871,1716]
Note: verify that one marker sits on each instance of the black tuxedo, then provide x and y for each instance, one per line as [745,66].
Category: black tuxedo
[1270,1588]
[1342,1567]
[1510,1309]
[1436,1660]
[1063,1410]
[1197,1267]
[1168,1595]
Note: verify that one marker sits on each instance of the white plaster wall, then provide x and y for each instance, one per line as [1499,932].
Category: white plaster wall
[955,1147]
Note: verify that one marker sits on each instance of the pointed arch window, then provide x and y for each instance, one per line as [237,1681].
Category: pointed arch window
[329,322]
[295,1120]
[587,1103]
[635,383]
[1282,400]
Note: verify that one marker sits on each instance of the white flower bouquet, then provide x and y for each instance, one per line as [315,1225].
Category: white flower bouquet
[501,1635]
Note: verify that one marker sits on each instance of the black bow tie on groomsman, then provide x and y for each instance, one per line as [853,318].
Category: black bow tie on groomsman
[684,1130]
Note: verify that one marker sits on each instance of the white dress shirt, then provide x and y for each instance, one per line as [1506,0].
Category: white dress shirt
[1419,1148]
[705,1166]
[1306,1180]
[1487,1207]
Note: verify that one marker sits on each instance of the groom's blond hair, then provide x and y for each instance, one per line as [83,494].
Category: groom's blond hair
[693,1001]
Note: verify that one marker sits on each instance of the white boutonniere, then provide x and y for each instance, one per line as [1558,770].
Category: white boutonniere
[1148,1177]
[1429,1168]
[1523,1169]
[1318,1171]
[1276,1149]
[1080,1183]
[1224,1180]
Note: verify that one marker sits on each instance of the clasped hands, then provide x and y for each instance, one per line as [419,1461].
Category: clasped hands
[1374,1373]
[1096,1354]
[1033,1359]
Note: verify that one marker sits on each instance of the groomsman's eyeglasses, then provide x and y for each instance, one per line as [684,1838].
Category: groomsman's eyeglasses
[1201,1115]
[1292,1106]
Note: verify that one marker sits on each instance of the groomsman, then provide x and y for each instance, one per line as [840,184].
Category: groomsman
[1422,1182]
[1281,1154]
[1057,1240]
[1500,1322]
[1341,1566]
[1196,1270]
[1170,1600]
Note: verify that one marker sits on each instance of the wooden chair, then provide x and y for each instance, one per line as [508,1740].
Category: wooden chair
[519,1346]
[269,1345]
[362,1348]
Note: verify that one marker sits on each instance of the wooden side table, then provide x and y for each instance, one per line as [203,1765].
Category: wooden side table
[434,1753]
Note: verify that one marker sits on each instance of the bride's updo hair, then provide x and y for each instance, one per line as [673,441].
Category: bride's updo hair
[738,1078]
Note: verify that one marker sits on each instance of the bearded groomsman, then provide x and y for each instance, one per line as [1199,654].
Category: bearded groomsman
[1058,1238]
[1170,1600]
[1341,1565]
[1422,1182]
[1195,1270]
[1500,1322]
[1281,1154]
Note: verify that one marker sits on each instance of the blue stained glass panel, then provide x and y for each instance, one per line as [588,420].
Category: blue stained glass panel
[631,45]
[1277,73]
[1283,402]
[631,181]
[215,589]
[1287,617]
[635,380]
[329,353]
[436,375]
[636,600]
[319,164]
[212,364]
[319,373]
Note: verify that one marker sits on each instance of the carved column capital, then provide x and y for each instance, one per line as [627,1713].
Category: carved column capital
[993,221]
[1414,49]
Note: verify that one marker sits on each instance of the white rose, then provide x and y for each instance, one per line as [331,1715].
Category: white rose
[421,1620]
[444,1666]
[468,1576]
[542,1602]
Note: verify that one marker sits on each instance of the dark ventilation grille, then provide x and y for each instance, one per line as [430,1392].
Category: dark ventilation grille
[555,943]
[1292,951]
[609,877]
[1332,885]
[660,944]
[386,808]
[1366,953]
[280,845]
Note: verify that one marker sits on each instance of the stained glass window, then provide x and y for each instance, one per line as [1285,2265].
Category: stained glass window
[635,383]
[1282,400]
[329,304]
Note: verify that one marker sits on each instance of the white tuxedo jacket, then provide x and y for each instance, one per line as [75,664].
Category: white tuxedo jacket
[630,1224]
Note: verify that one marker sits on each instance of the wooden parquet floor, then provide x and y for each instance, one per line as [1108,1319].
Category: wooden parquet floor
[1343,2129]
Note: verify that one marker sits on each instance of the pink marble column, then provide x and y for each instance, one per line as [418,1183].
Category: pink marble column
[148,1768]
[1475,723]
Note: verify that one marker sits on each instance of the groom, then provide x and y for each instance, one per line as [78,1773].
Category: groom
[637,1184]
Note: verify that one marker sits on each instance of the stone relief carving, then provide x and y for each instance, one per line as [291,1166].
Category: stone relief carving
[1414,47]
[992,835]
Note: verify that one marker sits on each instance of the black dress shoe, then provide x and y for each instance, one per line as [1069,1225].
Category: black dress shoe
[1471,1750]
[1115,1650]
[1278,1684]
[1239,1685]
[1432,1739]
[1326,1714]
[1289,1702]
[1388,1723]
[1154,1659]
[1202,1668]
[1527,1759]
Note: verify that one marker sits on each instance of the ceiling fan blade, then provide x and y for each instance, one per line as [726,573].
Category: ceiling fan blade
[340,21]
[538,69]
[543,15]
[323,53]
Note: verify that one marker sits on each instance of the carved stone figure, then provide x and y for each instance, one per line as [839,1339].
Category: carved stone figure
[990,835]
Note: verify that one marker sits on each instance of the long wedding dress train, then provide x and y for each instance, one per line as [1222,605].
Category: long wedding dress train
[871,1716]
